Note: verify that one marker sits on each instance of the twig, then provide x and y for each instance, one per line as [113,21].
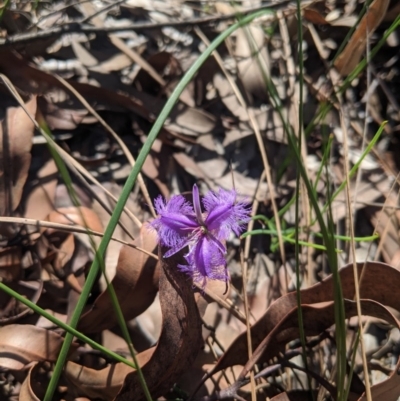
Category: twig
[76,27]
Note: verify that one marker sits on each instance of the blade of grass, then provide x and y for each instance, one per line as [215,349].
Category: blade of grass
[291,240]
[98,261]
[325,107]
[64,326]
[297,242]
[356,166]
[91,278]
[353,170]
[324,160]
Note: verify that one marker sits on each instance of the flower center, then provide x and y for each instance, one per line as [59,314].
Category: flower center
[203,230]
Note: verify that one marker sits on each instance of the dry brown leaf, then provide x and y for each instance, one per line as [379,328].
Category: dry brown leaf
[15,155]
[16,352]
[135,283]
[28,387]
[104,383]
[355,48]
[64,254]
[81,216]
[371,288]
[314,16]
[39,201]
[279,324]
[180,339]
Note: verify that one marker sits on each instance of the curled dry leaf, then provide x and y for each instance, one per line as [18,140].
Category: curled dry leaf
[15,155]
[279,325]
[314,16]
[316,319]
[16,352]
[135,283]
[104,383]
[180,339]
[30,387]
[371,288]
[178,346]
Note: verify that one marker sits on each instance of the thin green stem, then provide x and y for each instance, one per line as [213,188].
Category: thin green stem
[296,241]
[64,326]
[290,232]
[99,259]
[356,166]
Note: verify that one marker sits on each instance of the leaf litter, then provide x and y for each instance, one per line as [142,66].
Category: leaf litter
[97,75]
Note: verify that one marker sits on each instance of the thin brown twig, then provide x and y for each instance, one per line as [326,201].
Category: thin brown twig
[76,27]
[68,228]
[68,159]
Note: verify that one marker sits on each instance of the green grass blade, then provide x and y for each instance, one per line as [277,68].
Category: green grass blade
[64,326]
[99,259]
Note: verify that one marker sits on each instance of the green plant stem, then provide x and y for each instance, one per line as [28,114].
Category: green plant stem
[360,67]
[99,259]
[64,326]
[356,165]
[110,288]
[297,242]
[290,231]
[324,160]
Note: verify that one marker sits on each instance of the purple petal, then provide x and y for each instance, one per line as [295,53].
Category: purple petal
[175,223]
[178,222]
[217,243]
[225,213]
[177,204]
[206,259]
[197,206]
[176,248]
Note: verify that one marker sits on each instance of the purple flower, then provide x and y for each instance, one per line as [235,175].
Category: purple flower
[180,225]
